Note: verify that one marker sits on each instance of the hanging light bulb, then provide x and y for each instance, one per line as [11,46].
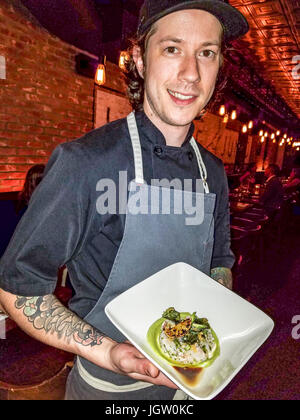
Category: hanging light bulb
[233,115]
[222,110]
[250,125]
[123,59]
[245,129]
[285,136]
[278,133]
[100,76]
[273,136]
[261,133]
[262,139]
[266,134]
[226,118]
[274,141]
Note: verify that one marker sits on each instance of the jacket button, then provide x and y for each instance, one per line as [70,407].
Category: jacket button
[190,155]
[158,150]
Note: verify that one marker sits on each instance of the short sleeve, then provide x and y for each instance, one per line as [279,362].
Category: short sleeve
[51,230]
[222,254]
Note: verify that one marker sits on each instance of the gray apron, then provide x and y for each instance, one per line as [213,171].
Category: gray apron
[150,243]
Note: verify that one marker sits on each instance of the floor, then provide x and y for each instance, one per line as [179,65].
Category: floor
[273,373]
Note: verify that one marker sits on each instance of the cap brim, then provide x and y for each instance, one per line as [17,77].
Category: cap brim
[234,23]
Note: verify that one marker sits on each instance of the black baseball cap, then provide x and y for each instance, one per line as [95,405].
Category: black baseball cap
[232,20]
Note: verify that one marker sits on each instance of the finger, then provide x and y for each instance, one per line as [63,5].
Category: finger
[144,367]
[134,362]
[160,380]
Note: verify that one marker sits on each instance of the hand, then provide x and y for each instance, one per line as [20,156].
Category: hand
[127,360]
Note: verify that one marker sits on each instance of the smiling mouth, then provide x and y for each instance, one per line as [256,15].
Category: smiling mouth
[181,98]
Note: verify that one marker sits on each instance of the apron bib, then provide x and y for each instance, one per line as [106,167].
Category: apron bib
[150,243]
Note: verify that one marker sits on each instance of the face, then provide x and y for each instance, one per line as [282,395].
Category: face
[268,172]
[182,61]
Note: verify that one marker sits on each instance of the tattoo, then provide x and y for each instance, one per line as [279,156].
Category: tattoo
[49,314]
[223,276]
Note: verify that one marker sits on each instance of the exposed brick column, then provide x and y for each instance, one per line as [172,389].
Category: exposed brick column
[43,102]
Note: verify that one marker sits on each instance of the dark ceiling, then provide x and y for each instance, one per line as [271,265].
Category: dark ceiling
[261,68]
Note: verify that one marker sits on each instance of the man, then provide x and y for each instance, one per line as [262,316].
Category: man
[293,183]
[175,64]
[272,197]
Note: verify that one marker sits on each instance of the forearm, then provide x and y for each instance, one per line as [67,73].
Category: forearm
[46,319]
[223,276]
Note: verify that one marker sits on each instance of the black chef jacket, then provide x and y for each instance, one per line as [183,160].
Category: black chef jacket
[62,225]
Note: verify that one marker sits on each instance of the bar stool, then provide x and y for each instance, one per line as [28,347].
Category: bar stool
[253,229]
[240,245]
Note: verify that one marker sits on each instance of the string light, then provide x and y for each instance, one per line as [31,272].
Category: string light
[245,129]
[250,125]
[233,115]
[226,118]
[222,110]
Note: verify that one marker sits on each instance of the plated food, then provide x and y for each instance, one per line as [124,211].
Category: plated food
[184,339]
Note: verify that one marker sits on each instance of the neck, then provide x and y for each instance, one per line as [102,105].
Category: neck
[174,135]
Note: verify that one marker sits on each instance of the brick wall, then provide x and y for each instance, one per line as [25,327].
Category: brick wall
[43,102]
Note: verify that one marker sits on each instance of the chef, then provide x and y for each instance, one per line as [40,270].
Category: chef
[172,76]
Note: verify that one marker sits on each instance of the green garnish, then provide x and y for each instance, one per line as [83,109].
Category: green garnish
[171,315]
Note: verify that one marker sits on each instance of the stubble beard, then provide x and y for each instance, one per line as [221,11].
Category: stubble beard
[161,115]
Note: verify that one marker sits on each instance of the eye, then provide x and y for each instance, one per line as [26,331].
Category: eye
[208,54]
[171,50]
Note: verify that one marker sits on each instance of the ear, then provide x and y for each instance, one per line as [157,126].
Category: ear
[138,59]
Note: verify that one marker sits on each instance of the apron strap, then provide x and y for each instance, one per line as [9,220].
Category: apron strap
[202,167]
[137,151]
[138,160]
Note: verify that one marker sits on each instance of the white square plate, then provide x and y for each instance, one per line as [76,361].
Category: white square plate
[240,326]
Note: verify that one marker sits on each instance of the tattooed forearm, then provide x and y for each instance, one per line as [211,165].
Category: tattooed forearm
[223,276]
[49,314]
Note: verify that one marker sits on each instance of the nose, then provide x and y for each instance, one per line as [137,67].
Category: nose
[190,70]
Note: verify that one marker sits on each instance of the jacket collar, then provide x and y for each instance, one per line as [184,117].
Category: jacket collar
[153,134]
